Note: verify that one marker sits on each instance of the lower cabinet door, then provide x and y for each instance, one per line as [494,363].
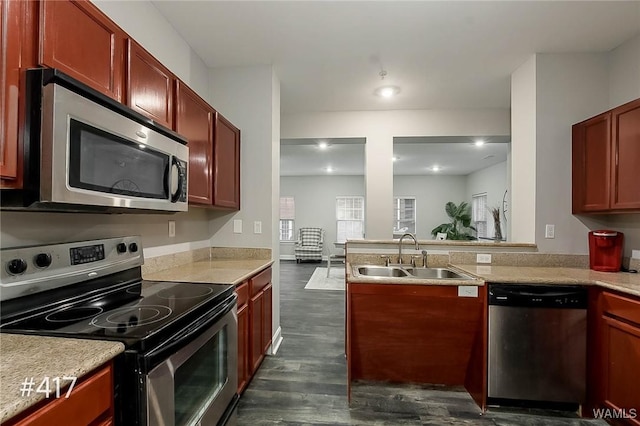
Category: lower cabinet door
[257,315]
[621,361]
[243,348]
[266,319]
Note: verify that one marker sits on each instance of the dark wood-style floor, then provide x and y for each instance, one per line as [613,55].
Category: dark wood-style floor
[305,383]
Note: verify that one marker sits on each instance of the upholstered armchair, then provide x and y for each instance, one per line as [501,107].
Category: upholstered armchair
[309,244]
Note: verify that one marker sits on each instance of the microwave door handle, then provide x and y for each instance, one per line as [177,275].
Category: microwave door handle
[181,176]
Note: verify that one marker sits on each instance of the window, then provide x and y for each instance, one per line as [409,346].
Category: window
[349,218]
[287,216]
[479,214]
[404,215]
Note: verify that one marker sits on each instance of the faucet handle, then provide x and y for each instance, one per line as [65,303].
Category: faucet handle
[387,259]
[424,258]
[413,260]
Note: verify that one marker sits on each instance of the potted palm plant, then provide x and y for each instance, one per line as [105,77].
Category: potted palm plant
[460,226]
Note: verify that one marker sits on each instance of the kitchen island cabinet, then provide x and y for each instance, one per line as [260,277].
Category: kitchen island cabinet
[416,334]
[81,41]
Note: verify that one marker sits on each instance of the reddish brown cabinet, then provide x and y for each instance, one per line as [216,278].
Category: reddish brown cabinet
[625,125]
[606,152]
[18,49]
[77,38]
[194,120]
[615,371]
[89,403]
[226,165]
[150,85]
[259,317]
[244,373]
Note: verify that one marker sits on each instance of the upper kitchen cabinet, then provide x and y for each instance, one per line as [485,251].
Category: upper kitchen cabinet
[77,38]
[625,125]
[591,164]
[150,85]
[606,152]
[18,48]
[194,120]
[226,165]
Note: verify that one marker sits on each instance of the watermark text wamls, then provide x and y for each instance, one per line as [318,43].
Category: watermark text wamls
[615,413]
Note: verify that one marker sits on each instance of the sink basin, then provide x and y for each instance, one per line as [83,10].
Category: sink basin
[436,273]
[408,272]
[380,271]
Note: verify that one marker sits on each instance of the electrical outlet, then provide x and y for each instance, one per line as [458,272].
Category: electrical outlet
[467,291]
[483,258]
[237,226]
[635,254]
[550,231]
[172,228]
[257,227]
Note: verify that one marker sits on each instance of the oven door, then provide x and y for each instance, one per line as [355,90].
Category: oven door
[196,384]
[93,156]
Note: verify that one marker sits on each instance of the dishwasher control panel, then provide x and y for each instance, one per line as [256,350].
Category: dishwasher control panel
[543,296]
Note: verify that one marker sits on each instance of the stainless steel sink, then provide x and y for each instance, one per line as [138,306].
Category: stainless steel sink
[408,272]
[437,273]
[380,271]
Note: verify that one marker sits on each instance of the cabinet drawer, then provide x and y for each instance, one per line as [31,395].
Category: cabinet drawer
[622,307]
[260,281]
[88,401]
[242,290]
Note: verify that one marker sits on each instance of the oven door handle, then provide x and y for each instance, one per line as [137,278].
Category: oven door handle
[192,332]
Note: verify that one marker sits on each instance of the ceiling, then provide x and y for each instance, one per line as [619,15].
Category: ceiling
[328,54]
[455,155]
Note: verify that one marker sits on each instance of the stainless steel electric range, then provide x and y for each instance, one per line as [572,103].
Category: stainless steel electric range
[180,361]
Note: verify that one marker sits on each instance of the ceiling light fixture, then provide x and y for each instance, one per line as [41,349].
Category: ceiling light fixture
[435,168]
[386,91]
[329,169]
[323,145]
[478,142]
[394,158]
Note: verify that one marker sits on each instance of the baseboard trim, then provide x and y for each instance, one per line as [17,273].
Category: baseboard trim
[276,341]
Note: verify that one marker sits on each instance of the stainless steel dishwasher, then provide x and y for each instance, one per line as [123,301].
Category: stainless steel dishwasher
[537,344]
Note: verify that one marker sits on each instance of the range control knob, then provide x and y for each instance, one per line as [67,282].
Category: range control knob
[42,260]
[16,266]
[121,248]
[133,247]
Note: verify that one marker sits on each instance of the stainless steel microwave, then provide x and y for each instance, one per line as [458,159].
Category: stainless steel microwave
[86,152]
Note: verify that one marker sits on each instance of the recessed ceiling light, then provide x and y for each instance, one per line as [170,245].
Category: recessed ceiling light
[142,146]
[323,145]
[329,169]
[435,168]
[478,142]
[394,158]
[387,91]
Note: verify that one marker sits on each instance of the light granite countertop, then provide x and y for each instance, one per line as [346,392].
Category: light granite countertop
[220,271]
[37,357]
[620,281]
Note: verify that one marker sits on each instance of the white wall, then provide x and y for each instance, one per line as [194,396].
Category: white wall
[624,72]
[569,89]
[431,193]
[315,203]
[523,152]
[493,181]
[379,128]
[143,22]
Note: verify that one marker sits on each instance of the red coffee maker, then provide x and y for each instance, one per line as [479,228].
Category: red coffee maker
[605,250]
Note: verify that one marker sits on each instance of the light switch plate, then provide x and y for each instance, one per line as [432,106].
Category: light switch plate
[635,254]
[483,258]
[467,291]
[550,231]
[237,226]
[172,228]
[257,227]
